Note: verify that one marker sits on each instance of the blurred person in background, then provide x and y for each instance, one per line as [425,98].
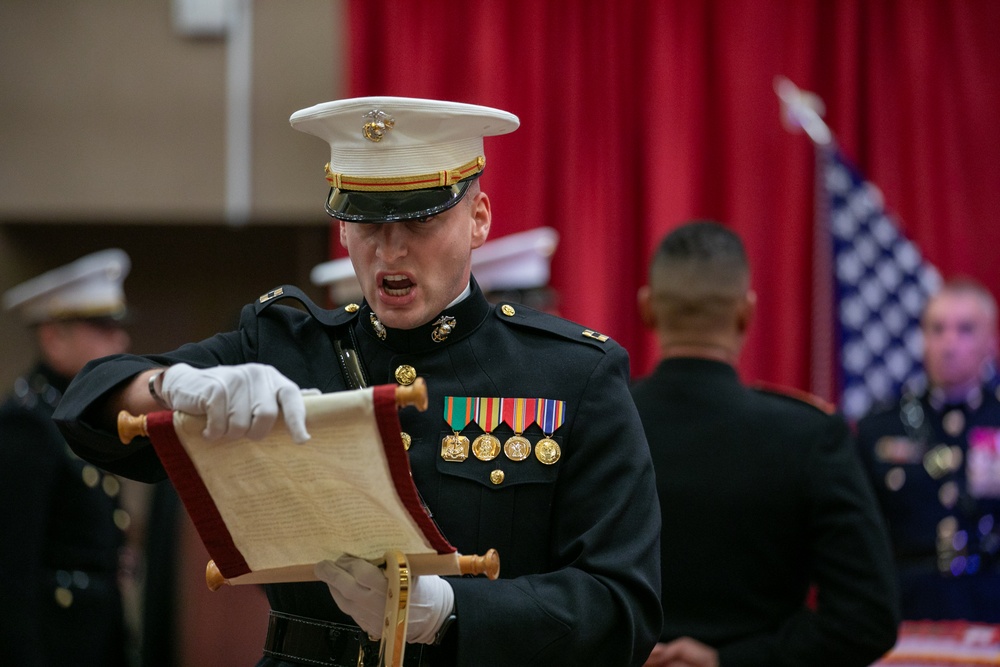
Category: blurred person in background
[761,493]
[61,524]
[933,457]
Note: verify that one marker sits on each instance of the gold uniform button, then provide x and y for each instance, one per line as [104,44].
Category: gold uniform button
[407,440]
[121,518]
[497,476]
[64,597]
[405,375]
[352,307]
[112,487]
[91,476]
[507,310]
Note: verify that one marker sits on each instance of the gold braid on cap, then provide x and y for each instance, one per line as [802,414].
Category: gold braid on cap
[402,183]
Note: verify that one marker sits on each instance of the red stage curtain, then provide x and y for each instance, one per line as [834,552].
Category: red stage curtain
[637,115]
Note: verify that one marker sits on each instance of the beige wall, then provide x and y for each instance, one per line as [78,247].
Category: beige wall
[113,133]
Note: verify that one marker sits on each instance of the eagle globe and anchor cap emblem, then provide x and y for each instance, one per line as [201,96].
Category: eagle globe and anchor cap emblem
[379,123]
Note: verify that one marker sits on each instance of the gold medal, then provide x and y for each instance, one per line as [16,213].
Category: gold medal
[519,413]
[547,451]
[487,413]
[937,462]
[517,448]
[455,447]
[549,414]
[486,447]
[457,414]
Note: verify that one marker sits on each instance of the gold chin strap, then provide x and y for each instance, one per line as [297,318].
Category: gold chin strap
[397,600]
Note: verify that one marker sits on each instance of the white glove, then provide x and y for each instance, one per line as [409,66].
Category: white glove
[359,589]
[239,401]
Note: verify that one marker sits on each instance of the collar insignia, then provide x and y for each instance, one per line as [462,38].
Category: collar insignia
[378,326]
[443,327]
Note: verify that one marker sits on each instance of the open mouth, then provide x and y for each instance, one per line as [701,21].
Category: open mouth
[396,285]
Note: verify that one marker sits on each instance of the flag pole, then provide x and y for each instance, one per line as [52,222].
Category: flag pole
[802,111]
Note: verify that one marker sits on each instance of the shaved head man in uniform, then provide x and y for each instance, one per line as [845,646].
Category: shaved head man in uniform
[761,492]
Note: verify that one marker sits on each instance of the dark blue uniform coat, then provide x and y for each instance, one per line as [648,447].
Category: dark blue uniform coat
[578,540]
[59,557]
[945,529]
[763,495]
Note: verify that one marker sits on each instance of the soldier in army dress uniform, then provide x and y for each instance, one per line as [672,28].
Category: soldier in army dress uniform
[576,521]
[934,460]
[61,523]
[761,492]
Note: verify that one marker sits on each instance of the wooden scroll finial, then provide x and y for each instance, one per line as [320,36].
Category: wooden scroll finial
[488,564]
[213,577]
[414,394]
[131,426]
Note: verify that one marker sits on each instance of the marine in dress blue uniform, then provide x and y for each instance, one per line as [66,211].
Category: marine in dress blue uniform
[61,523]
[576,523]
[761,493]
[933,457]
[934,467]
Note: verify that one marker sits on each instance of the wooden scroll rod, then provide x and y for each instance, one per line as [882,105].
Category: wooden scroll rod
[131,426]
[488,564]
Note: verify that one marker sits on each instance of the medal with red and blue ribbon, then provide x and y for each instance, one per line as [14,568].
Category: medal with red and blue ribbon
[549,414]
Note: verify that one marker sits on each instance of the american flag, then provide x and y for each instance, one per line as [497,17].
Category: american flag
[881,283]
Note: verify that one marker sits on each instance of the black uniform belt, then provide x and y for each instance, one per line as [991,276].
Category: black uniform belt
[314,642]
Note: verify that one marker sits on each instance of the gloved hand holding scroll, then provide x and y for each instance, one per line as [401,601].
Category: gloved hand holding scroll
[359,589]
[238,401]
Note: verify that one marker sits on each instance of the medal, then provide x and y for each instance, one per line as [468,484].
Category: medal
[550,415]
[457,414]
[486,447]
[519,413]
[547,451]
[937,462]
[488,410]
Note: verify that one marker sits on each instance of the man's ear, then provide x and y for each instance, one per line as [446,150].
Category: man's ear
[645,300]
[482,217]
[343,233]
[746,312]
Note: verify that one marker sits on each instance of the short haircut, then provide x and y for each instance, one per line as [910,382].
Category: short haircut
[964,285]
[698,275]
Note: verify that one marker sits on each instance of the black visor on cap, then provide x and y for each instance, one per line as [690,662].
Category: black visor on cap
[358,206]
